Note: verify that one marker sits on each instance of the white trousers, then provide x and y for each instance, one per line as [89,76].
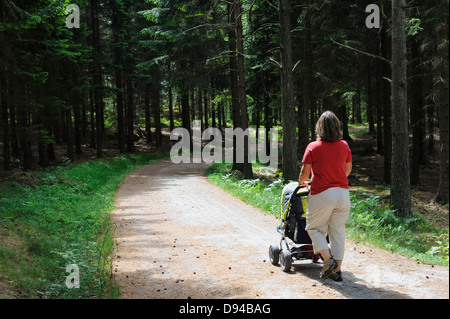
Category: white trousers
[327,213]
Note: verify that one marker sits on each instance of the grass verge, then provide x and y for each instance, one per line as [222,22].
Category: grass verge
[62,218]
[370,222]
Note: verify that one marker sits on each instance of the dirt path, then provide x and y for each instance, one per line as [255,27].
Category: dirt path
[178,236]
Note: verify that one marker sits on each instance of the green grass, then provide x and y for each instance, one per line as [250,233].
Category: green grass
[370,222]
[256,192]
[63,219]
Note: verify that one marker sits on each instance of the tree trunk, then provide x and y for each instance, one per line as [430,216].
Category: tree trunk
[192,104]
[267,120]
[305,85]
[308,95]
[130,114]
[344,120]
[170,96]
[302,120]
[442,55]
[117,24]
[379,108]
[97,77]
[417,114]
[400,181]
[92,115]
[25,119]
[247,165]
[156,107]
[40,117]
[205,108]
[234,81]
[76,102]
[369,104]
[84,100]
[200,108]
[120,111]
[290,165]
[5,124]
[148,129]
[70,148]
[13,133]
[430,124]
[185,118]
[386,100]
[171,120]
[213,114]
[224,121]
[357,98]
[213,105]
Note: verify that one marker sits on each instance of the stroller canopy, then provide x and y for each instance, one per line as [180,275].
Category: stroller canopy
[293,201]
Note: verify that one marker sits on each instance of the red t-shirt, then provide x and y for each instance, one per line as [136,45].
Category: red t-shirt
[328,161]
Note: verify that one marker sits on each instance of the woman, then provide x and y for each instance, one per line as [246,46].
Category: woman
[329,160]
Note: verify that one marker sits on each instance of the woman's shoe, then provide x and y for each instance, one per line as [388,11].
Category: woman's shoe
[329,266]
[336,275]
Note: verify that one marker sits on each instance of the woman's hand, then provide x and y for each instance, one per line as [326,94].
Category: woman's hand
[304,174]
[305,184]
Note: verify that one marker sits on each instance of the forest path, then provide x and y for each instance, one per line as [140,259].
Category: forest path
[179,236]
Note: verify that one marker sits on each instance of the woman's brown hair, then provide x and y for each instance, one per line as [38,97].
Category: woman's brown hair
[328,127]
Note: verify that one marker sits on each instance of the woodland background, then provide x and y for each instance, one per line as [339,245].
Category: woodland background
[136,69]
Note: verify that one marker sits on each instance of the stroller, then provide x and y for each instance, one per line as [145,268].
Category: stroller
[293,224]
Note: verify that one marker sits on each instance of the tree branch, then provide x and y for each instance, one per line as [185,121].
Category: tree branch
[295,66]
[270,4]
[362,52]
[273,62]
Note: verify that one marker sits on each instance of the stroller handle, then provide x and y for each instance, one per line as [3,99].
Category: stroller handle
[298,188]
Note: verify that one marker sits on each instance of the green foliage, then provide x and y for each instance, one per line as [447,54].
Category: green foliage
[372,222]
[64,219]
[414,26]
[441,248]
[257,192]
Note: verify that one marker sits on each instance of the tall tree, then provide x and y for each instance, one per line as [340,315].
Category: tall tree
[97,76]
[400,176]
[385,98]
[290,165]
[118,21]
[4,119]
[442,83]
[247,165]
[234,79]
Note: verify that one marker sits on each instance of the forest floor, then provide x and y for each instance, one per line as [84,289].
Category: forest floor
[179,236]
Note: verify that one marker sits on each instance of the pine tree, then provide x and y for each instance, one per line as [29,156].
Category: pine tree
[400,180]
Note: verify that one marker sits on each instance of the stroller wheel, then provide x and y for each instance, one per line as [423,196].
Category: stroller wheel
[286,260]
[274,254]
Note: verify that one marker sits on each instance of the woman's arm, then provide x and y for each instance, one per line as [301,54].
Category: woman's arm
[348,168]
[304,174]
